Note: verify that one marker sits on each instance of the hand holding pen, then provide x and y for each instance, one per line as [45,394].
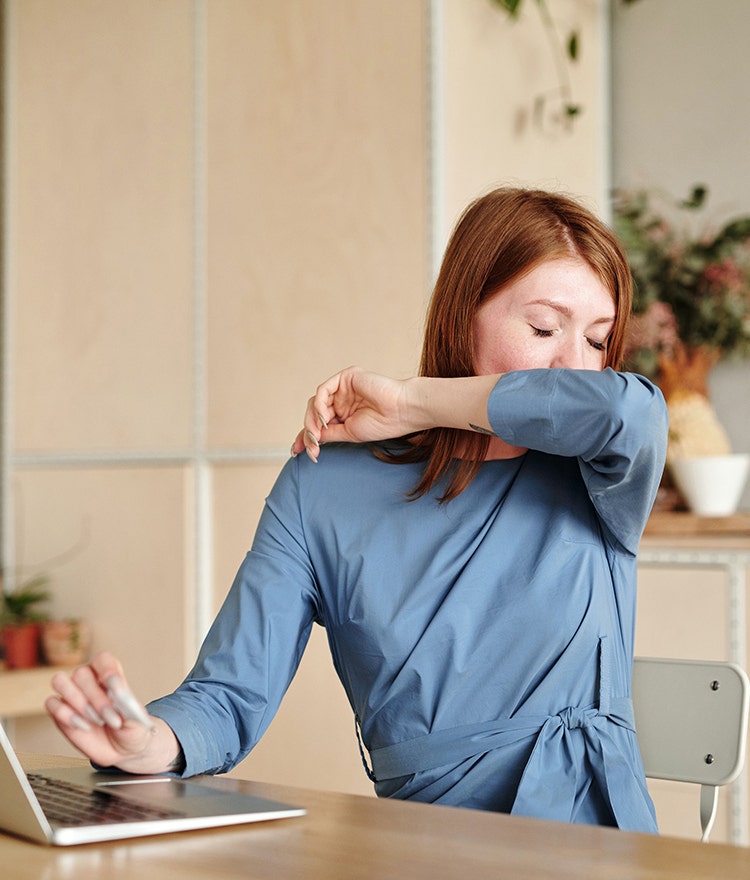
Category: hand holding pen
[125,703]
[95,709]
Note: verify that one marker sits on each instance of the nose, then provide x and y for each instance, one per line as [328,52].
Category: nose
[570,354]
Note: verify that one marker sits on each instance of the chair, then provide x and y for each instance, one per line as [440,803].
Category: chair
[691,718]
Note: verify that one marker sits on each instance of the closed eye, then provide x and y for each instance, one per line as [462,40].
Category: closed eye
[545,334]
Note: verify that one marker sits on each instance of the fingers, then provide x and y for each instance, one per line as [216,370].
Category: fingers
[307,442]
[110,675]
[66,716]
[95,695]
[321,415]
[125,703]
[106,664]
[332,399]
[320,408]
[81,702]
[355,406]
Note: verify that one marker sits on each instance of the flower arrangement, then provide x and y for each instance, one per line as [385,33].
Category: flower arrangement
[691,307]
[692,289]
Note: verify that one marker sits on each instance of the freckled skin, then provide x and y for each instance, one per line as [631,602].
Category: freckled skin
[558,315]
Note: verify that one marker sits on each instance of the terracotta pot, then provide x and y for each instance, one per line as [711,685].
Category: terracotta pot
[65,642]
[21,645]
[687,370]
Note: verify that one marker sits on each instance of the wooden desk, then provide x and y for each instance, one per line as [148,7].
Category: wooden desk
[349,837]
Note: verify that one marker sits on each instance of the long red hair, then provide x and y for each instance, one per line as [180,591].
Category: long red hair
[500,237]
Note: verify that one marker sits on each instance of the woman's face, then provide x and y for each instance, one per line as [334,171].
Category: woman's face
[558,315]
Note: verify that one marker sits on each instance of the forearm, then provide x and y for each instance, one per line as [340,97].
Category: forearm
[452,403]
[356,406]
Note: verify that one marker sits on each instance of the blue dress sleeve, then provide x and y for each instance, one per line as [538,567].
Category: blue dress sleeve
[614,423]
[254,646]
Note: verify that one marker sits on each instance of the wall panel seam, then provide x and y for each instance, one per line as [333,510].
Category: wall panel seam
[7,525]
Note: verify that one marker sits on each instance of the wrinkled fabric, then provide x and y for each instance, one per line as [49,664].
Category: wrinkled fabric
[486,644]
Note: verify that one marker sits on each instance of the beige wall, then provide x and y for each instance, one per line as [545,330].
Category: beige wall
[210,206]
[494,73]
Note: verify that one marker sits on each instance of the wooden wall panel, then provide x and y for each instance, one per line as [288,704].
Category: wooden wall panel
[113,543]
[317,203]
[101,222]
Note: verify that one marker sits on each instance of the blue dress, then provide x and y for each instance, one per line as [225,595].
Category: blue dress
[485,644]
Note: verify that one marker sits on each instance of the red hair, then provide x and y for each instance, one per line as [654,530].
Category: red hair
[500,237]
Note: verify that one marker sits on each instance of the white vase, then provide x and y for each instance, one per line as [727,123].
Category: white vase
[712,485]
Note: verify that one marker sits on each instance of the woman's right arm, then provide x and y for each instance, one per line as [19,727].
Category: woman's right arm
[357,406]
[247,660]
[88,710]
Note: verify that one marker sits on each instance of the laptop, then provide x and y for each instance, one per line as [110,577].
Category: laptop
[71,805]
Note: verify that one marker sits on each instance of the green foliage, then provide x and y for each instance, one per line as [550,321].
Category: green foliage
[692,286]
[572,46]
[20,605]
[512,7]
[564,51]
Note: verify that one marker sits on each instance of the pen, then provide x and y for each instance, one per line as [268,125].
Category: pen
[125,703]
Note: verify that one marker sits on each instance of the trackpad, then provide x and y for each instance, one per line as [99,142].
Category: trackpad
[160,789]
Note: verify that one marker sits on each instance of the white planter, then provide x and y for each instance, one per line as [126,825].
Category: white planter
[712,485]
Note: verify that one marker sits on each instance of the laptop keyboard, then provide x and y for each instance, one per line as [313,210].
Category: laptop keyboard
[69,804]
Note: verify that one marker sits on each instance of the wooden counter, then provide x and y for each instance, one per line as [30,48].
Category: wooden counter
[672,523]
[23,691]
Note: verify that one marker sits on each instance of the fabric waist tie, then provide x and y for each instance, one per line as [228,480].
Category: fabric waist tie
[549,782]
[456,744]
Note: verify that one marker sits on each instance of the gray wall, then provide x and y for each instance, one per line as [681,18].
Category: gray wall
[681,115]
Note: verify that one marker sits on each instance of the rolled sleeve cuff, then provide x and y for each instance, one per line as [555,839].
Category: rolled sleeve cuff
[200,748]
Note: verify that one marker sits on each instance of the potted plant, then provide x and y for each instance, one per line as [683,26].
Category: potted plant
[65,642]
[691,308]
[20,622]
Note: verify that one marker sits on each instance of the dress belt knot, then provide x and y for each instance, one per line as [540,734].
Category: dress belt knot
[573,717]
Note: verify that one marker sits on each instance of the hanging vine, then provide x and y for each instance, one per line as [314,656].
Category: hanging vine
[565,53]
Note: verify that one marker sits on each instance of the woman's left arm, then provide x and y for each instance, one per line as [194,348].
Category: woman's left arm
[614,423]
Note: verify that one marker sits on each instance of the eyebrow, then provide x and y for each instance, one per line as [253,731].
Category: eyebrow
[565,310]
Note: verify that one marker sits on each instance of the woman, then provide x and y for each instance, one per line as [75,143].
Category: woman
[470,548]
